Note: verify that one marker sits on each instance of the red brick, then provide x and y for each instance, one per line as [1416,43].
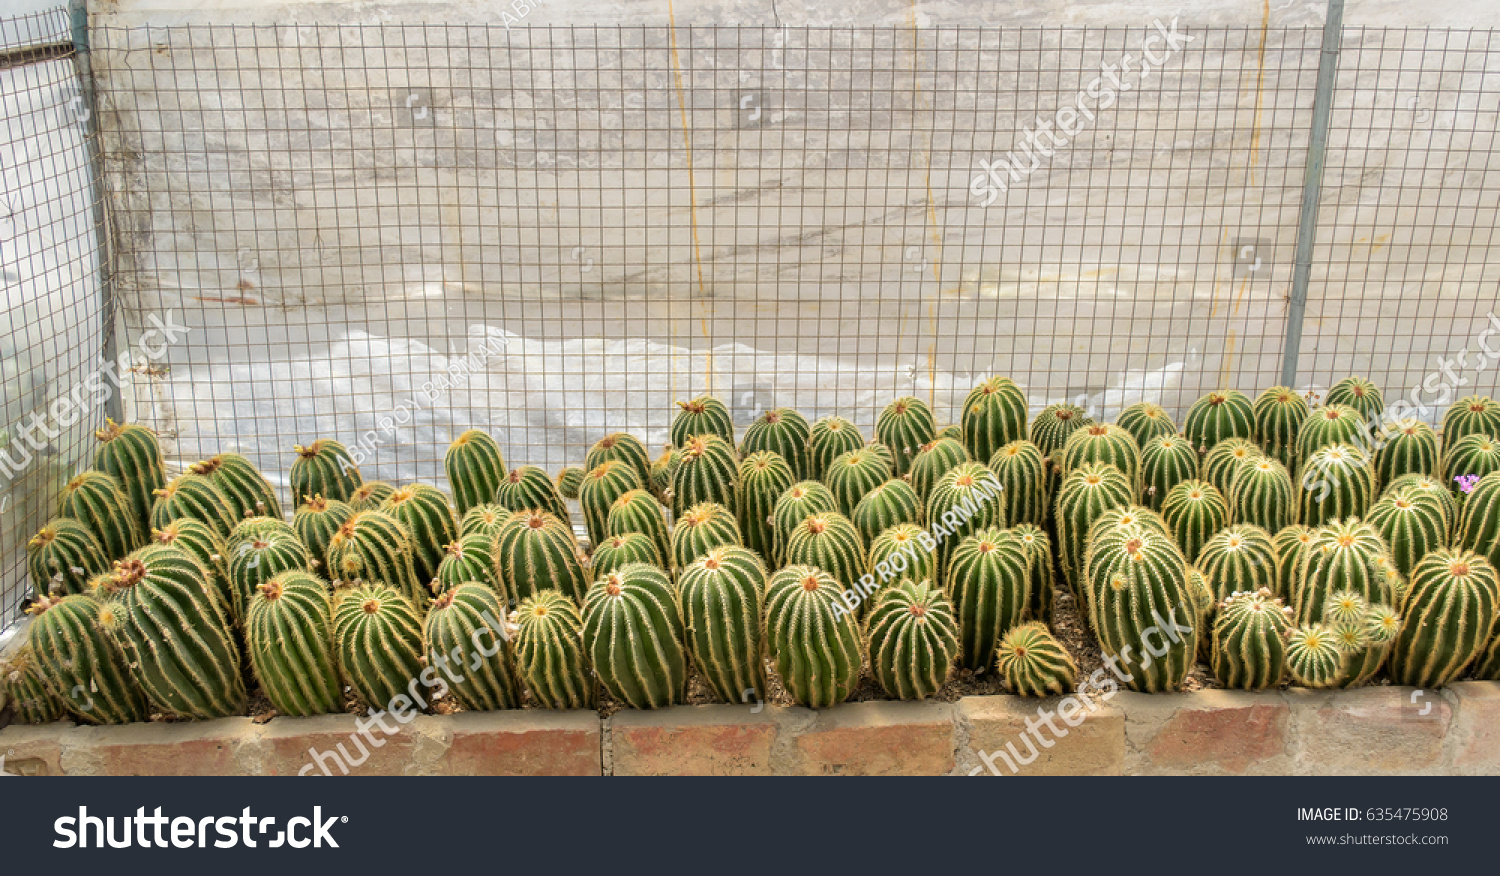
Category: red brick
[288,746]
[523,743]
[720,740]
[1227,729]
[877,739]
[198,748]
[34,750]
[997,724]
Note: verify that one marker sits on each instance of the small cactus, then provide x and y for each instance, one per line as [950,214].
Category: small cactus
[933,461]
[571,478]
[63,556]
[373,548]
[662,470]
[1087,492]
[994,414]
[1262,493]
[1219,416]
[1359,394]
[704,415]
[700,529]
[248,491]
[466,625]
[1450,615]
[905,426]
[1050,431]
[1145,421]
[1021,470]
[794,505]
[1337,481]
[23,688]
[707,472]
[900,552]
[132,456]
[1032,663]
[721,607]
[377,635]
[781,431]
[621,446]
[1406,447]
[912,639]
[1239,559]
[536,551]
[1326,426]
[633,633]
[549,651]
[830,542]
[1412,522]
[885,506]
[193,496]
[764,475]
[529,488]
[424,511]
[1166,461]
[1249,641]
[1194,510]
[1476,413]
[622,550]
[1430,486]
[1225,460]
[601,487]
[638,511]
[370,495]
[962,502]
[471,559]
[76,653]
[1105,443]
[475,468]
[289,638]
[829,438]
[849,476]
[989,579]
[96,500]
[813,640]
[323,468]
[1292,543]
[1279,414]
[485,519]
[316,521]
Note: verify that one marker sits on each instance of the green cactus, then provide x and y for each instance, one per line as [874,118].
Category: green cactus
[620,550]
[1476,413]
[536,551]
[1145,592]
[638,511]
[721,607]
[1088,491]
[621,446]
[829,438]
[905,426]
[1262,493]
[1478,524]
[1292,544]
[989,578]
[571,478]
[1476,454]
[252,528]
[901,552]
[1166,461]
[701,528]
[371,549]
[424,511]
[912,639]
[1450,616]
[785,432]
[885,506]
[1226,459]
[707,472]
[1105,545]
[1337,481]
[1382,625]
[1032,663]
[962,502]
[802,499]
[1194,510]
[933,461]
[95,499]
[1327,426]
[764,475]
[704,415]
[849,476]
[289,638]
[1431,486]
[1405,447]
[529,487]
[1038,548]
[994,414]
[1412,522]
[24,689]
[132,456]
[192,671]
[953,432]
[63,556]
[1145,421]
[315,522]
[663,468]
[467,626]
[601,486]
[1239,559]
[475,468]
[1201,592]
[248,491]
[471,559]
[323,468]
[486,519]
[1342,556]
[78,657]
[196,497]
[1357,393]
[205,546]
[1313,656]
[1217,417]
[1279,415]
[254,561]
[1102,442]
[370,495]
[1050,431]
[830,542]
[1022,472]
[812,637]
[1249,641]
[377,638]
[633,633]
[1347,615]
[549,651]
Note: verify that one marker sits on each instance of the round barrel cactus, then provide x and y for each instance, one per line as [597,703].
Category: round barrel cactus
[1479,522]
[1292,544]
[1022,472]
[1406,447]
[471,559]
[63,556]
[621,550]
[95,499]
[536,551]
[571,478]
[794,505]
[23,688]
[962,502]
[315,522]
[1450,615]
[912,638]
[601,487]
[905,426]
[1337,481]
[77,655]
[1087,492]
[994,414]
[1475,413]
[1217,417]
[377,636]
[849,476]
[829,438]
[830,542]
[1262,493]
[424,511]
[1249,641]
[248,491]
[1224,460]
[1413,523]
[550,656]
[1239,559]
[638,511]
[530,488]
[704,415]
[1313,657]
[1344,555]
[1038,548]
[707,472]
[486,519]
[467,626]
[1347,615]
[373,548]
[1327,426]
[1102,442]
[1472,457]
[885,506]
[132,456]
[1051,428]
[1194,510]
[289,639]
[933,461]
[1166,461]
[902,552]
[1145,421]
[1359,394]
[785,432]
[1144,610]
[370,495]
[989,579]
[621,446]
[812,638]
[721,607]
[1279,413]
[1430,486]
[196,497]
[633,633]
[1032,663]
[254,561]
[323,468]
[205,546]
[475,468]
[764,475]
[700,529]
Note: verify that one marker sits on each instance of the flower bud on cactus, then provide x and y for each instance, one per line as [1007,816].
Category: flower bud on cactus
[633,632]
[96,500]
[529,488]
[1337,481]
[1360,394]
[1022,472]
[324,468]
[1326,426]
[933,461]
[1262,493]
[1279,414]
[905,426]
[1226,459]
[1166,461]
[1142,604]
[638,511]
[1412,522]
[1102,442]
[79,658]
[1145,421]
[187,667]
[373,548]
[601,487]
[193,496]
[898,552]
[23,688]
[830,542]
[475,468]
[63,556]
[424,511]
[1450,615]
[315,522]
[764,476]
[1038,549]
[989,579]
[1088,492]
[1194,511]
[471,559]
[784,432]
[885,506]
[1344,555]
[1475,413]
[548,631]
[486,519]
[1219,416]
[721,607]
[994,414]
[793,506]
[1472,455]
[707,472]
[536,551]
[289,637]
[571,478]
[621,550]
[132,456]
[257,560]
[621,446]
[1406,447]
[1034,664]
[248,491]
[1239,559]
[377,636]
[1249,641]
[370,495]
[1479,522]
[812,636]
[912,638]
[467,625]
[704,415]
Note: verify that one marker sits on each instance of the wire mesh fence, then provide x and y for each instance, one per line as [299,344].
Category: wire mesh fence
[51,333]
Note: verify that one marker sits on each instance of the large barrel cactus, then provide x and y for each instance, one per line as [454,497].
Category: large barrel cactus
[1102,442]
[424,511]
[905,426]
[258,559]
[1219,416]
[371,549]
[549,651]
[764,475]
[1166,461]
[1476,413]
[1145,614]
[1344,555]
[933,461]
[989,580]
[704,415]
[377,635]
[248,491]
[530,488]
[78,656]
[316,521]
[1194,510]
[536,551]
[1329,425]
[633,633]
[475,468]
[994,414]
[132,456]
[95,499]
[887,505]
[621,446]
[1239,559]
[721,607]
[829,438]
[466,626]
[323,468]
[1405,447]
[812,638]
[902,551]
[193,496]
[1279,414]
[1145,421]
[962,502]
[1337,481]
[912,638]
[1412,522]
[1088,491]
[700,529]
[1225,460]
[794,505]
[602,486]
[1021,470]
[1450,615]
[830,542]
[785,432]
[707,472]
[289,638]
[849,476]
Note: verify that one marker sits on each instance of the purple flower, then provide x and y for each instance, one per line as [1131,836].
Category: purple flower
[1467,482]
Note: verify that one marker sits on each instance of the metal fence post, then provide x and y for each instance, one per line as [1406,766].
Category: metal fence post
[1312,189]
